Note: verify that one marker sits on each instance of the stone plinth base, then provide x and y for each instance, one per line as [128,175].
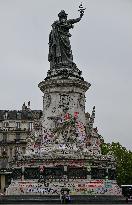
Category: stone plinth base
[76,187]
[50,199]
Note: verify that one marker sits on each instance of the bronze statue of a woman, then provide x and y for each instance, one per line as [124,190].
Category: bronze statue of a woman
[60,53]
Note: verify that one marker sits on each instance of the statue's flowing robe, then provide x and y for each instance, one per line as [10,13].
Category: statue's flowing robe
[59,44]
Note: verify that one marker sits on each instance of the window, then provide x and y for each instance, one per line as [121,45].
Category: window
[6,124]
[10,152]
[17,136]
[19,115]
[4,153]
[30,126]
[17,125]
[4,137]
[6,115]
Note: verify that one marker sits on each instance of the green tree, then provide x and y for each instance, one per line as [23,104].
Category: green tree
[123,160]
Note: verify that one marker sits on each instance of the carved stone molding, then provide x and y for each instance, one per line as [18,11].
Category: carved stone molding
[59,83]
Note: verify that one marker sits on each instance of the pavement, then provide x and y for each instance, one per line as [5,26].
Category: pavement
[59,204]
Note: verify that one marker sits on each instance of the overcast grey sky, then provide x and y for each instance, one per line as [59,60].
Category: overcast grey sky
[102,49]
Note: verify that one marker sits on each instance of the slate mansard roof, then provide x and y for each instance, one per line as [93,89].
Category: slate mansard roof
[20,114]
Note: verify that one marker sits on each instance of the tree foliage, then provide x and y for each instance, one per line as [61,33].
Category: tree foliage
[123,159]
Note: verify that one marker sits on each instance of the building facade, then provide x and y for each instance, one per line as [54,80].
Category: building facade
[15,127]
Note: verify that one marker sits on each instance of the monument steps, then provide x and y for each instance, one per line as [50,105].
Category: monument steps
[55,199]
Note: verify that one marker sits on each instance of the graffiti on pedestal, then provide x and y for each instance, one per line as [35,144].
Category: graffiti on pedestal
[68,137]
[64,102]
[77,187]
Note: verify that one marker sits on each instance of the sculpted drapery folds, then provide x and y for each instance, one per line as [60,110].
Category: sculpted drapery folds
[60,53]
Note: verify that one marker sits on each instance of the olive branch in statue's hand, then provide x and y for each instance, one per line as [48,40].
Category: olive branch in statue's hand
[81,10]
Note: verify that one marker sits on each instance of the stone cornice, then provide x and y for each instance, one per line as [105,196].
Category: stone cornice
[63,83]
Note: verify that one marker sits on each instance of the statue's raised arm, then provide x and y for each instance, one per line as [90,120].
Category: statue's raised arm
[81,10]
[60,53]
[72,21]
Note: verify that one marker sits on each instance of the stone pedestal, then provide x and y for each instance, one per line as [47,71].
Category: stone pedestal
[62,96]
[64,152]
